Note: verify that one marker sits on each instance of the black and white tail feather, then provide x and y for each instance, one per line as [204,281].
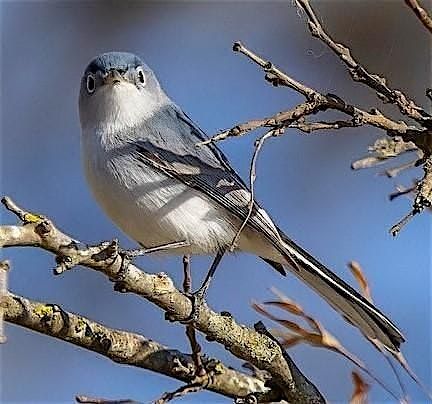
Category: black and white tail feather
[353,306]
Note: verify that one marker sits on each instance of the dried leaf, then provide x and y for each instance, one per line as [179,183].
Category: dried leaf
[318,336]
[360,277]
[361,389]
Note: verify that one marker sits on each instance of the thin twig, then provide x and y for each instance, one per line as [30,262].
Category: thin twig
[359,73]
[421,13]
[395,229]
[98,400]
[281,119]
[395,171]
[402,191]
[180,392]
[315,102]
[252,177]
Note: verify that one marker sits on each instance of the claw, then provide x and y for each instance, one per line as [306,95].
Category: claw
[197,299]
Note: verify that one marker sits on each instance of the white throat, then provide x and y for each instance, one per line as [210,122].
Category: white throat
[115,109]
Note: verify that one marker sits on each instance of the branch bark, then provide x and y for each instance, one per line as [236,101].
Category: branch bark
[243,342]
[127,348]
[421,13]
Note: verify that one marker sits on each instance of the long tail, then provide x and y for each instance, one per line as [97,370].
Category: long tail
[341,296]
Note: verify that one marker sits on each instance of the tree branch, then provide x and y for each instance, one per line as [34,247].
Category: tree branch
[421,13]
[419,135]
[317,101]
[241,341]
[126,347]
[360,74]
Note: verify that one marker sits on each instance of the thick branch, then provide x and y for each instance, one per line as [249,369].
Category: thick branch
[125,347]
[240,340]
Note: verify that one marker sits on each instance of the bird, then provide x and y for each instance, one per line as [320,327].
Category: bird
[144,168]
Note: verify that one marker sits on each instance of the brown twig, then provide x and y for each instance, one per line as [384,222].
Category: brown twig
[252,177]
[315,102]
[321,102]
[98,400]
[280,120]
[360,74]
[180,392]
[421,13]
[159,289]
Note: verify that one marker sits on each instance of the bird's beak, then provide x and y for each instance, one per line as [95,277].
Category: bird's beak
[113,77]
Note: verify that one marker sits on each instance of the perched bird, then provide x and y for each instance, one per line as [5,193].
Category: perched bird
[144,167]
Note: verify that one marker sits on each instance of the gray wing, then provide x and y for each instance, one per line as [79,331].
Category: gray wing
[168,142]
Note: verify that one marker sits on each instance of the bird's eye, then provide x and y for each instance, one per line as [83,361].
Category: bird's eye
[91,83]
[140,75]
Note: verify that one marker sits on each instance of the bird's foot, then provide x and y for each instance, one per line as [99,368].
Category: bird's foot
[198,302]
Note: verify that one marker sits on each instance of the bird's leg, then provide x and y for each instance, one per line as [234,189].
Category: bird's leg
[201,292]
[187,275]
[190,330]
[199,295]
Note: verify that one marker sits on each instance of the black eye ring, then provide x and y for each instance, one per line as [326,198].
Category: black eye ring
[140,75]
[91,83]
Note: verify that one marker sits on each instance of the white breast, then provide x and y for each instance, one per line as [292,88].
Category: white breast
[153,208]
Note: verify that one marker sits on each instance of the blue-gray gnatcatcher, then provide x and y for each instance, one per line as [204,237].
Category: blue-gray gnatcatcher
[145,170]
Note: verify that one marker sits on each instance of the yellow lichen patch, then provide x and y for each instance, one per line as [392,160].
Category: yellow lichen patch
[219,368]
[33,218]
[80,326]
[43,310]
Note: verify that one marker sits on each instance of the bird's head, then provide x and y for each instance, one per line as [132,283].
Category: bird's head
[117,89]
